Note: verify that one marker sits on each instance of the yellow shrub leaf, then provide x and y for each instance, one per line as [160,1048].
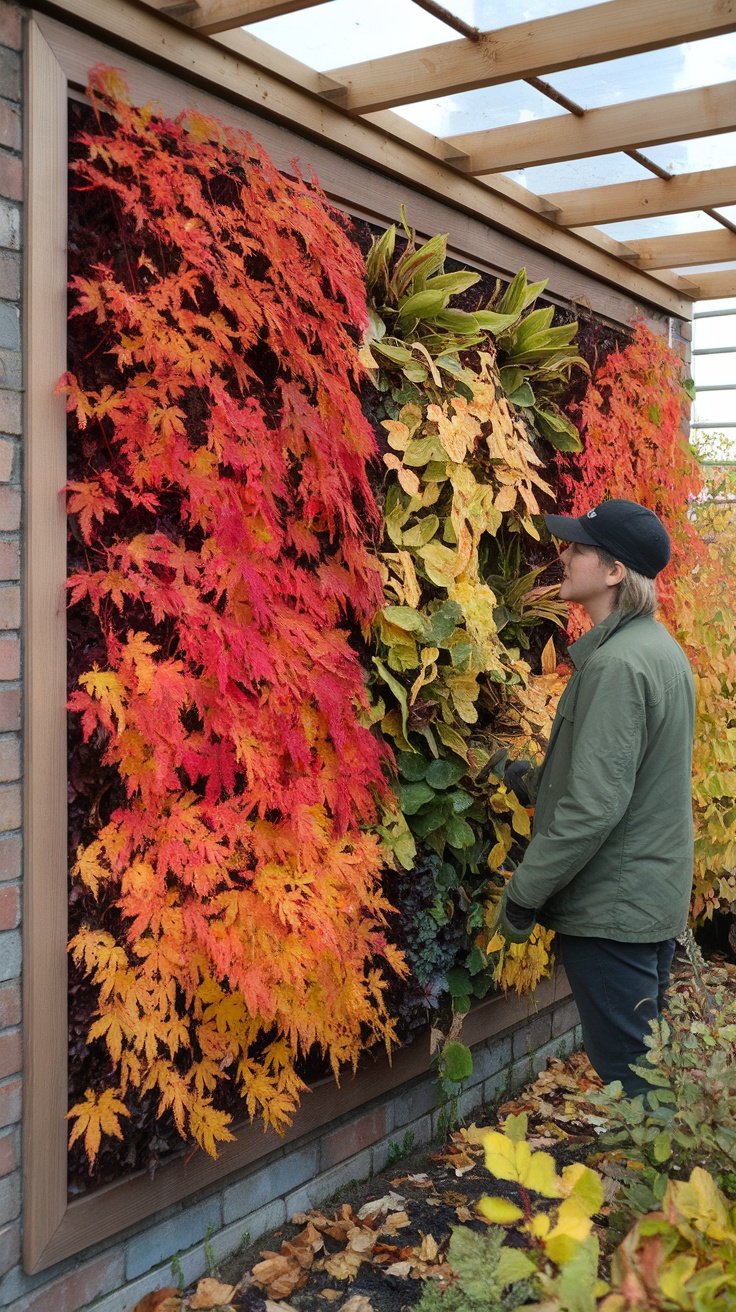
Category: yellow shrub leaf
[499,1210]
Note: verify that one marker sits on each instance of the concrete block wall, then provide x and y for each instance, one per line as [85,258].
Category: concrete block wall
[185,1241]
[11,230]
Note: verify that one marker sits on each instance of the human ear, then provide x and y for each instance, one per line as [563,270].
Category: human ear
[616,574]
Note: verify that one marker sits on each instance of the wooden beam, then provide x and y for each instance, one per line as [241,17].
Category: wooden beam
[677,116]
[710,286]
[212,16]
[683,249]
[546,45]
[641,200]
[238,77]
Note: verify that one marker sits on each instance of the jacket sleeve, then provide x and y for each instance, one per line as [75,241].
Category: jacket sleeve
[608,743]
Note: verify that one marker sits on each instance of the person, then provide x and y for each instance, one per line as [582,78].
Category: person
[610,863]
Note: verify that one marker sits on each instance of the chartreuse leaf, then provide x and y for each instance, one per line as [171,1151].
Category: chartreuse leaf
[456,1062]
[499,1210]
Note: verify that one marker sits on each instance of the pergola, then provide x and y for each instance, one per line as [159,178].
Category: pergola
[356,105]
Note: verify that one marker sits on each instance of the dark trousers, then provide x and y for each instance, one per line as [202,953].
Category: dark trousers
[619,988]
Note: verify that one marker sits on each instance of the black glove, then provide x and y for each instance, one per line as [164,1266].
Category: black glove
[513,777]
[514,921]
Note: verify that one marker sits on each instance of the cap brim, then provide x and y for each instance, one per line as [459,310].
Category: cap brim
[568,529]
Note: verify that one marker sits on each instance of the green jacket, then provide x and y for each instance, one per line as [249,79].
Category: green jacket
[612,849]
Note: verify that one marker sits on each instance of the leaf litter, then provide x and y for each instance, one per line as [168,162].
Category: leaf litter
[374,1253]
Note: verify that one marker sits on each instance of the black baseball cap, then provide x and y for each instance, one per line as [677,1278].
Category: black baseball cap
[627,531]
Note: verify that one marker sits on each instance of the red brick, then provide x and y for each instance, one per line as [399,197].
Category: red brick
[9,1246]
[11,176]
[9,559]
[352,1138]
[10,27]
[9,508]
[11,1053]
[9,709]
[7,456]
[10,1004]
[77,1288]
[9,906]
[10,607]
[9,658]
[8,1153]
[10,130]
[9,759]
[10,1102]
[9,291]
[10,807]
[10,856]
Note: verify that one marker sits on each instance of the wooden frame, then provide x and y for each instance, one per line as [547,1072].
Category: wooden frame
[55,1228]
[636,200]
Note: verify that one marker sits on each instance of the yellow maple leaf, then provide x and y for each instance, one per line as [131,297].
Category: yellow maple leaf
[97,1115]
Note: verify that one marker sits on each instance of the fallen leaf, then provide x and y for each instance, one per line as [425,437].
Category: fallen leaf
[161,1300]
[345,1265]
[420,1181]
[278,1275]
[428,1250]
[397,1221]
[211,1293]
[330,1294]
[464,1214]
[399,1269]
[358,1303]
[390,1202]
[278,1307]
[360,1239]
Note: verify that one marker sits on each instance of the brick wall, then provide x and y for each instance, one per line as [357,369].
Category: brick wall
[11,223]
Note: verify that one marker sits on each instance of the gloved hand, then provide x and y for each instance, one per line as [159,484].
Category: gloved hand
[513,777]
[514,921]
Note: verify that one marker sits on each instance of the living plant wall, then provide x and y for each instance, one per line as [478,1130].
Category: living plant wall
[311,614]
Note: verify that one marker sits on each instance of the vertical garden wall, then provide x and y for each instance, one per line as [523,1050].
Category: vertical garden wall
[310,612]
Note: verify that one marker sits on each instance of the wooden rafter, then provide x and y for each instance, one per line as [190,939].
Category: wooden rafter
[678,116]
[211,16]
[683,249]
[599,32]
[710,286]
[640,200]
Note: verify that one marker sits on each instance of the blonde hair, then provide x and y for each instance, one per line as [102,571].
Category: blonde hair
[635,594]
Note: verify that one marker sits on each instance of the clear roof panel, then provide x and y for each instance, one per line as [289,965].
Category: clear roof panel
[725,266]
[664,225]
[690,156]
[575,174]
[728,212]
[678,68]
[478,111]
[489,14]
[349,31]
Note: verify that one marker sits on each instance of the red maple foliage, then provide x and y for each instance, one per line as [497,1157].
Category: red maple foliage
[226,518]
[631,422]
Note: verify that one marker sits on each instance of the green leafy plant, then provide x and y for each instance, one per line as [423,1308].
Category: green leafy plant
[400,1148]
[536,362]
[413,328]
[454,1067]
[558,1265]
[688,1117]
[682,1257]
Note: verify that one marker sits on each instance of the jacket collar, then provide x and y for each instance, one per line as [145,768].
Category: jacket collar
[583,649]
